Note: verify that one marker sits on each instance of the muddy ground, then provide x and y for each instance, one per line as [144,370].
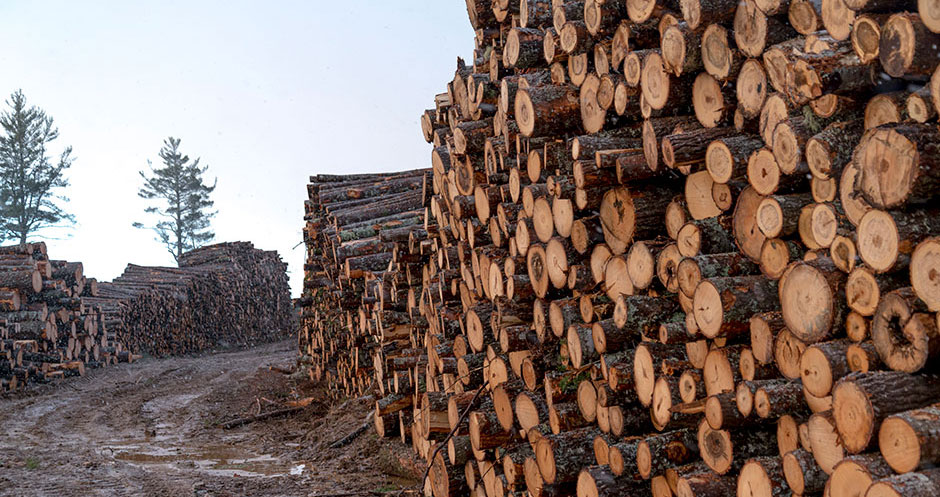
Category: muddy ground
[154,427]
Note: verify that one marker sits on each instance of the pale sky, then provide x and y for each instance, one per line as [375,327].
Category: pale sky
[266,93]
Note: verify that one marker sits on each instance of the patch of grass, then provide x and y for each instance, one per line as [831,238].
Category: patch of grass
[385,488]
[32,463]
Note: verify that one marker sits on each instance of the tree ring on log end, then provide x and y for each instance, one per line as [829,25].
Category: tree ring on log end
[545,457]
[878,240]
[854,416]
[644,374]
[774,258]
[673,48]
[716,54]
[899,444]
[770,217]
[861,291]
[901,336]
[850,477]
[650,146]
[929,11]
[888,166]
[793,473]
[719,161]
[689,275]
[825,224]
[802,16]
[897,45]
[827,448]
[750,29]
[618,219]
[866,38]
[592,114]
[715,447]
[837,18]
[806,301]
[689,240]
[787,150]
[763,173]
[925,272]
[660,410]
[708,101]
[654,81]
[751,88]
[538,273]
[525,113]
[746,233]
[667,267]
[753,480]
[640,10]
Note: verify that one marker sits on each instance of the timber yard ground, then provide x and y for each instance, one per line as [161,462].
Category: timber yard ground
[154,427]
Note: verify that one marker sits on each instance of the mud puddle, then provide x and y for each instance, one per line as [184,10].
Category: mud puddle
[218,460]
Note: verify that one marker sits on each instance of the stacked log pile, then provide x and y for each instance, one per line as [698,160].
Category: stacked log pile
[228,294]
[682,247]
[362,274]
[52,325]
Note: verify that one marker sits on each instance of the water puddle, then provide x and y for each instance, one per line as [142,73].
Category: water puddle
[220,460]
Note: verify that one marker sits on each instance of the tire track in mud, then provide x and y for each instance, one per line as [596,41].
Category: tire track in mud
[142,429]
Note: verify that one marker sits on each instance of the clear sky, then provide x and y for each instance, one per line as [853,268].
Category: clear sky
[265,92]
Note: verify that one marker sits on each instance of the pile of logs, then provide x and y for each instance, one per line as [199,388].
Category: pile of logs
[51,323]
[359,232]
[674,247]
[55,322]
[223,295]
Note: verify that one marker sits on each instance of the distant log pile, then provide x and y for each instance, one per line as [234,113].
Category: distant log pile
[228,294]
[671,248]
[54,322]
[51,323]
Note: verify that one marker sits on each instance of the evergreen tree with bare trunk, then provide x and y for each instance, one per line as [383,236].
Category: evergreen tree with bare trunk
[29,177]
[183,207]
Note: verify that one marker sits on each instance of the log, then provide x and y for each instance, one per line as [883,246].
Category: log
[860,401]
[886,238]
[803,475]
[907,151]
[762,476]
[721,449]
[903,333]
[918,484]
[547,110]
[809,298]
[724,306]
[905,46]
[908,440]
[855,474]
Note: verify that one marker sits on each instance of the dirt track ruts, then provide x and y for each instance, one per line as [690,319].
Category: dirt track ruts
[148,428]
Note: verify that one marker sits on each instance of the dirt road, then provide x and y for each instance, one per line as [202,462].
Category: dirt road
[153,428]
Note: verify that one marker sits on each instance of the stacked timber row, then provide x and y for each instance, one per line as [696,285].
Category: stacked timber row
[674,247]
[363,275]
[51,323]
[223,295]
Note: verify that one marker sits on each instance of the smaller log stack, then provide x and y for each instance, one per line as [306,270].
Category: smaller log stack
[228,294]
[674,247]
[364,235]
[52,324]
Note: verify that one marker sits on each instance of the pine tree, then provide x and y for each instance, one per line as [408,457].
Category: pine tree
[183,209]
[29,178]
